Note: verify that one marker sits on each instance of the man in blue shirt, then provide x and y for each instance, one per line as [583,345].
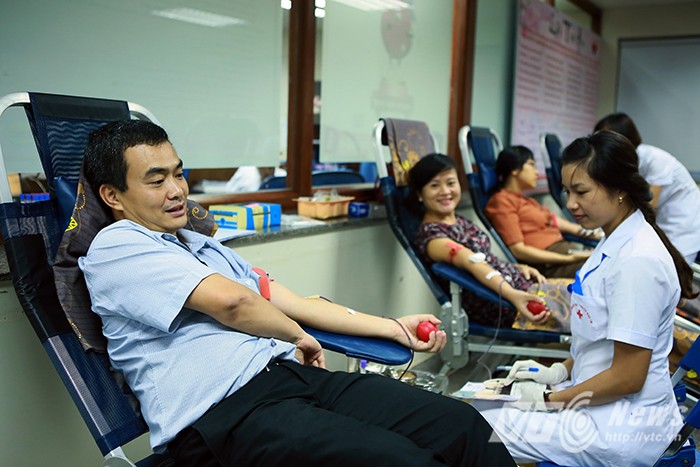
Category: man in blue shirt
[225,376]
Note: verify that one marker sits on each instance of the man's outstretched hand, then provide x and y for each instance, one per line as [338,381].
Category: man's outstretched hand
[309,351]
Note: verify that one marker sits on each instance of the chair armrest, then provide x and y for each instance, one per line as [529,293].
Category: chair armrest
[369,348]
[467,282]
[583,241]
[696,270]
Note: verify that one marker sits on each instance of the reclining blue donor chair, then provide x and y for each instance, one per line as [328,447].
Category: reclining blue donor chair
[318,178]
[407,142]
[32,233]
[551,148]
[480,148]
[677,453]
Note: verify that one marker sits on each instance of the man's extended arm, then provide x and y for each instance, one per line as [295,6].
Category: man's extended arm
[321,314]
[240,308]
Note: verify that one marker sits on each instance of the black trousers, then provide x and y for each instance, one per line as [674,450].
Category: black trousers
[300,415]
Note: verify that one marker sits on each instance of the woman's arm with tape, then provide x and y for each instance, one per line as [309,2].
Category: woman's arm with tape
[448,251]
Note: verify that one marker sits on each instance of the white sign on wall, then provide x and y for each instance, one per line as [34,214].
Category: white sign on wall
[556,77]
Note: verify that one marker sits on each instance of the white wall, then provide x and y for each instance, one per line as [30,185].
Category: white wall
[658,87]
[494,51]
[493,66]
[215,89]
[39,424]
[639,22]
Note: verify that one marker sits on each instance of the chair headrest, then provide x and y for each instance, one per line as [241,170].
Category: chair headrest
[88,216]
[408,141]
[489,179]
[65,191]
[61,125]
[553,145]
[482,143]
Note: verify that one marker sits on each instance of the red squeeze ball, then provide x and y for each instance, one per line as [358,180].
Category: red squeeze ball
[424,329]
[535,307]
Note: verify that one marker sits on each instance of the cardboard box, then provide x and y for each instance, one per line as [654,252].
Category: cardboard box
[253,216]
[324,209]
[15,184]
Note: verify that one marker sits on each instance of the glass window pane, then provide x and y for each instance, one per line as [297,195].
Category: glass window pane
[493,66]
[382,62]
[209,70]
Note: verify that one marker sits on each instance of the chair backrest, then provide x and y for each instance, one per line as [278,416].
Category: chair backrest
[336,177]
[368,170]
[480,147]
[676,453]
[318,178]
[551,151]
[31,233]
[407,142]
[273,182]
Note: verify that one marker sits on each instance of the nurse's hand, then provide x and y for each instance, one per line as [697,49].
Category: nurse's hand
[535,371]
[531,398]
[520,299]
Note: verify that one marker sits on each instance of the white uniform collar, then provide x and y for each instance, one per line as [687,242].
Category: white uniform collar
[609,247]
[622,234]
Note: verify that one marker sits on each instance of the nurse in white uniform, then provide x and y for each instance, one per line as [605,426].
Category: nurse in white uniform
[676,196]
[619,408]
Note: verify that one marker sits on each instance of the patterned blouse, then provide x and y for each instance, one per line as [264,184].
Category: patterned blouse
[466,233]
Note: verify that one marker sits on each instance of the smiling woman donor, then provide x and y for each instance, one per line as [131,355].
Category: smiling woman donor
[532,232]
[445,236]
[622,312]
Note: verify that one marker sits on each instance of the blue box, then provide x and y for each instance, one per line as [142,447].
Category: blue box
[358,210]
[253,216]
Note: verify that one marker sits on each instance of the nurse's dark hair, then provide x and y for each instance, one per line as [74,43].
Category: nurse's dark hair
[104,162]
[620,123]
[510,159]
[421,174]
[611,161]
